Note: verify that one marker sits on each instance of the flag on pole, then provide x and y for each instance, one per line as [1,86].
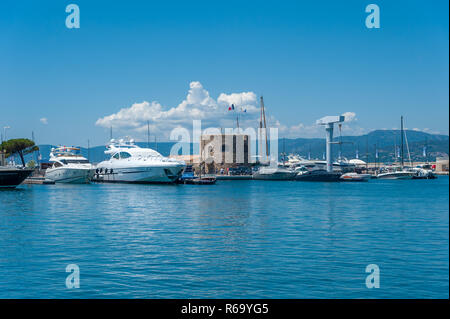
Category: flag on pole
[376,153]
[357,154]
[231,107]
[424,151]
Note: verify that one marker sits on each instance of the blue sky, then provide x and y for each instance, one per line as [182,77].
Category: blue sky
[309,59]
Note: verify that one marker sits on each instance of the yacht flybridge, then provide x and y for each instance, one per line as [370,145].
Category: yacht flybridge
[69,166]
[130,163]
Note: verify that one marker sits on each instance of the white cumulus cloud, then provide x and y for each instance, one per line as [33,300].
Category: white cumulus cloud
[199,105]
[349,116]
[44,120]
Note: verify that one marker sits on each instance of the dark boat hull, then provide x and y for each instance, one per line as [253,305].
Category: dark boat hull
[11,177]
[319,176]
[200,181]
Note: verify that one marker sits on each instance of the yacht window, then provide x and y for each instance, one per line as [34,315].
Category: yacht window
[57,164]
[125,155]
[75,161]
[122,155]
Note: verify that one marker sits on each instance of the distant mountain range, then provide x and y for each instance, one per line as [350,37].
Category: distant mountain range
[383,140]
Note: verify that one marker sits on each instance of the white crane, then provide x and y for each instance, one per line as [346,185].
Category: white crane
[329,121]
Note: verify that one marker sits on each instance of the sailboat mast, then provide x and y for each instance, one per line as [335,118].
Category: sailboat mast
[148,134]
[265,126]
[260,134]
[367,152]
[395,148]
[401,133]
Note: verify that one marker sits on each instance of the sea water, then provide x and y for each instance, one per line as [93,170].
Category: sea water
[235,239]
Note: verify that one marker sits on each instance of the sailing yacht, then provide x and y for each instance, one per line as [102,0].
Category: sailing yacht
[130,163]
[398,172]
[69,166]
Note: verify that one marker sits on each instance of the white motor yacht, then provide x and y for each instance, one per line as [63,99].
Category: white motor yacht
[130,163]
[69,166]
[397,172]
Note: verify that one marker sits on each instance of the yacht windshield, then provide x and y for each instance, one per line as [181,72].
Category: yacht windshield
[122,155]
[74,161]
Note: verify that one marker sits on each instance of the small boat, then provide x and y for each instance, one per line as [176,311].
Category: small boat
[200,181]
[274,174]
[69,166]
[12,176]
[188,173]
[424,171]
[355,177]
[318,175]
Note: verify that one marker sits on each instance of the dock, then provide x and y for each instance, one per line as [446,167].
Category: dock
[234,177]
[38,181]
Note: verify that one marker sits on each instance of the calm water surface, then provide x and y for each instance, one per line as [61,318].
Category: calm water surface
[236,239]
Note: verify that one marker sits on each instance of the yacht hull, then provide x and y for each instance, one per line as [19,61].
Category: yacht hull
[318,176]
[11,177]
[352,177]
[397,175]
[69,175]
[142,175]
[274,177]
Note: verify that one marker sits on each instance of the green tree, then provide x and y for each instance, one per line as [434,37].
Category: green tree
[21,146]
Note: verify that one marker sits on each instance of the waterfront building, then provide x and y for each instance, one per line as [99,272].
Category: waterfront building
[224,151]
[442,164]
